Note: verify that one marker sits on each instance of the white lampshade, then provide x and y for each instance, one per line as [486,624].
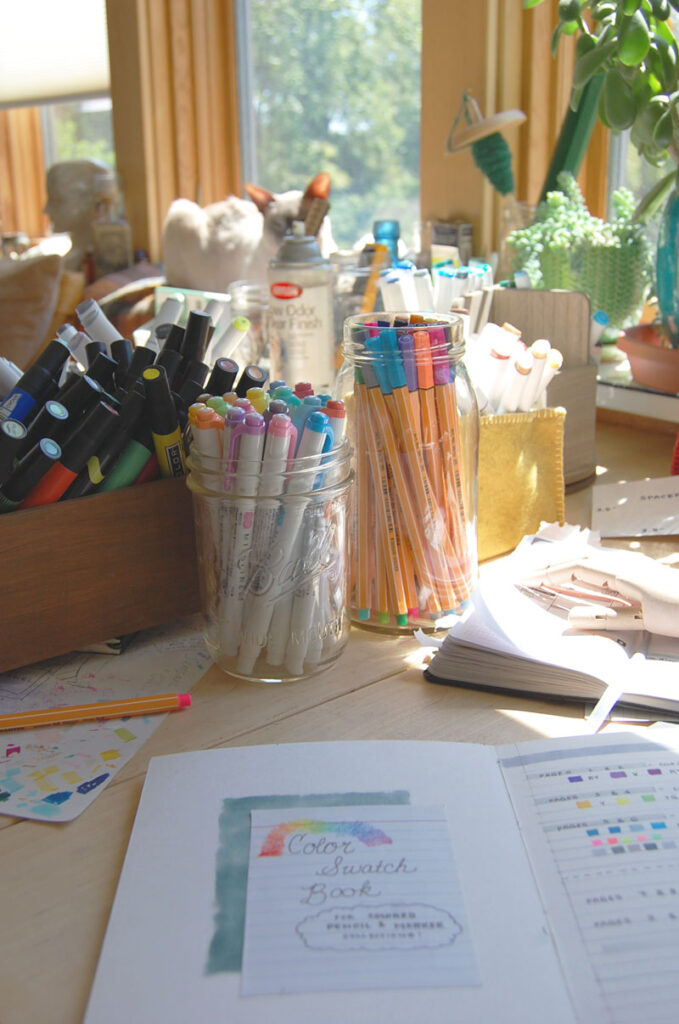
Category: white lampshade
[52,50]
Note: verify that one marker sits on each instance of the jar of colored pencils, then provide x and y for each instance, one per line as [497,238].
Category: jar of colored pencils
[270,513]
[413,420]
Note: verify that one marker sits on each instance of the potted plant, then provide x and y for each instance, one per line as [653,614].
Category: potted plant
[629,48]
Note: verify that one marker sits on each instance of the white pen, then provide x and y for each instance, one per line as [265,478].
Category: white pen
[231,339]
[443,290]
[540,349]
[516,380]
[168,313]
[497,363]
[553,364]
[424,290]
[246,443]
[391,290]
[95,322]
[268,614]
[279,448]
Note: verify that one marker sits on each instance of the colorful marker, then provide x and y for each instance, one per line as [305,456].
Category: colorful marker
[167,438]
[28,472]
[12,436]
[76,450]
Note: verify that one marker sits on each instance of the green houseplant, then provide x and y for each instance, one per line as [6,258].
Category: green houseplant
[628,49]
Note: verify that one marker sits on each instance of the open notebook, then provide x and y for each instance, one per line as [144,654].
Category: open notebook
[398,881]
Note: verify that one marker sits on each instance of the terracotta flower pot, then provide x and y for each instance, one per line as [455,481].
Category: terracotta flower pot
[652,361]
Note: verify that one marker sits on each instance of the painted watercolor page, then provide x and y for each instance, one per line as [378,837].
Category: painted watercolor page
[54,773]
[172,947]
[601,823]
[354,898]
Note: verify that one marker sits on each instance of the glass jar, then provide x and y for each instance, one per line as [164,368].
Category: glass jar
[272,562]
[413,420]
[250,300]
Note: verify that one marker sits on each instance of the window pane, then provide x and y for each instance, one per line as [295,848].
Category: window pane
[334,85]
[79,130]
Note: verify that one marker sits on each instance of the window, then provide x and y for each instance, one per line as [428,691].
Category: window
[334,85]
[79,130]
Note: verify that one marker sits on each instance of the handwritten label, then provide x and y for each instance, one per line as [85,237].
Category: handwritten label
[337,895]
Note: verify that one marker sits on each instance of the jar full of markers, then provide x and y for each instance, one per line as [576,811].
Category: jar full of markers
[413,420]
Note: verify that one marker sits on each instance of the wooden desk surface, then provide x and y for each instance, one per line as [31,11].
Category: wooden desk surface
[58,881]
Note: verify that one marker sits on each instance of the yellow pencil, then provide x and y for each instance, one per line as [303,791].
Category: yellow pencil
[88,712]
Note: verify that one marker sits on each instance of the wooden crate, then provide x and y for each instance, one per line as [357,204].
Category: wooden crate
[82,571]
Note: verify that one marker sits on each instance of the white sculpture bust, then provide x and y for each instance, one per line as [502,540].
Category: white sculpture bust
[75,190]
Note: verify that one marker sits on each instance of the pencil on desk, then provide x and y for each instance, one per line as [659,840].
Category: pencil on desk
[89,712]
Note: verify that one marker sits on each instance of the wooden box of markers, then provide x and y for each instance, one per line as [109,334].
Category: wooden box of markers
[79,572]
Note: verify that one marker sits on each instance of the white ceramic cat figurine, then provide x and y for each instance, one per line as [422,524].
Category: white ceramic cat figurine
[207,248]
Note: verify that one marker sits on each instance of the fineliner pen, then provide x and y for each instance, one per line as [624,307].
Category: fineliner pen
[76,450]
[303,388]
[164,420]
[277,407]
[95,470]
[12,436]
[251,377]
[29,392]
[28,472]
[224,373]
[273,385]
[51,421]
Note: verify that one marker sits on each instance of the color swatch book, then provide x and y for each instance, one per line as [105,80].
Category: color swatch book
[396,881]
[516,639]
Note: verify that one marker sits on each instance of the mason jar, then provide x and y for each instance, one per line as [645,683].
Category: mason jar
[273,562]
[413,421]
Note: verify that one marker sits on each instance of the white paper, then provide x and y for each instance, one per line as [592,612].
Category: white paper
[354,898]
[172,920]
[637,508]
[53,773]
[600,822]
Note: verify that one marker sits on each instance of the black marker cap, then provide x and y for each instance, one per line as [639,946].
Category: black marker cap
[171,361]
[53,357]
[224,373]
[51,421]
[103,370]
[174,338]
[93,349]
[251,377]
[196,371]
[112,445]
[79,394]
[162,413]
[122,351]
[12,435]
[196,335]
[30,469]
[141,358]
[87,437]
[36,382]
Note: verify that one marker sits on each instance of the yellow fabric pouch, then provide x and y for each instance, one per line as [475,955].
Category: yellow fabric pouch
[521,481]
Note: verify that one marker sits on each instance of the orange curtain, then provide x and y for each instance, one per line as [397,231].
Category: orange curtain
[22,173]
[175,108]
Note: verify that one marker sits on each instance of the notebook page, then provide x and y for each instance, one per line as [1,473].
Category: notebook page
[600,822]
[354,898]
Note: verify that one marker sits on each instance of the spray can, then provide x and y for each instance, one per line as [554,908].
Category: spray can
[300,320]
